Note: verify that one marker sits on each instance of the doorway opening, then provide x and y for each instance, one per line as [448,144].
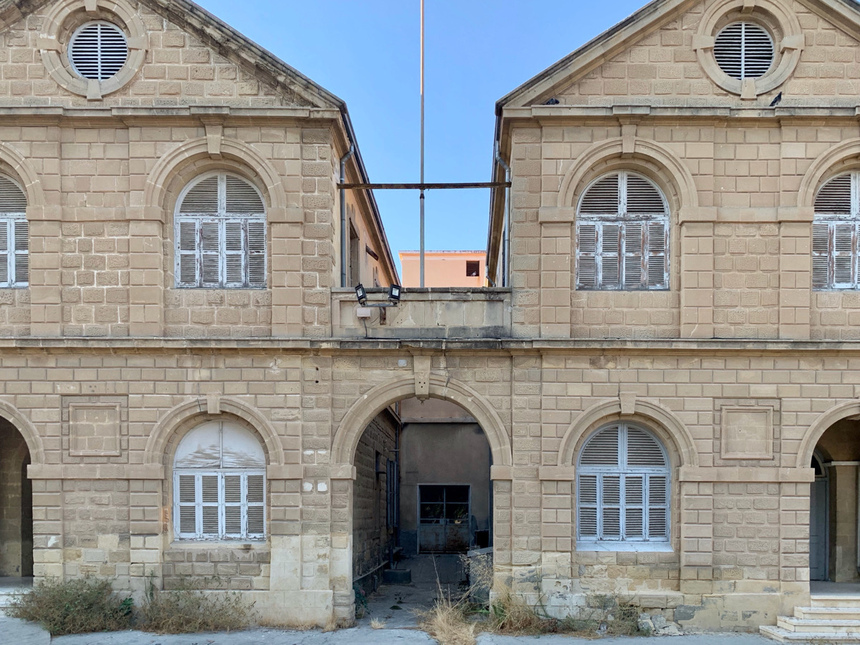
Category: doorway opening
[834,539]
[422,505]
[16,506]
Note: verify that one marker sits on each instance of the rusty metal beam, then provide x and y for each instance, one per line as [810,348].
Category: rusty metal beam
[442,186]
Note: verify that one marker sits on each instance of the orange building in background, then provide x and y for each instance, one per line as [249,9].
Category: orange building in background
[445,268]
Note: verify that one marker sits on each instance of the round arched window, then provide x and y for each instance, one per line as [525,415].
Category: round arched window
[219,484]
[221,234]
[623,482]
[14,235]
[622,235]
[98,50]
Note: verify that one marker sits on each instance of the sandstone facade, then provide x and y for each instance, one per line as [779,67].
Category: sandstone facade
[739,368]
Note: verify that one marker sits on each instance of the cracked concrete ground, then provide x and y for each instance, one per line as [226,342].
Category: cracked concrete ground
[18,632]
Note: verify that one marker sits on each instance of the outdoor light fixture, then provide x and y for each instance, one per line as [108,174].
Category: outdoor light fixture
[361,294]
[393,296]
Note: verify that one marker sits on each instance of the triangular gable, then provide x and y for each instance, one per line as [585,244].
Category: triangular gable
[843,14]
[213,33]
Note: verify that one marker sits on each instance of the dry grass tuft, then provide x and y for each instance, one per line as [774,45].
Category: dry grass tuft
[77,606]
[189,609]
[448,623]
[376,623]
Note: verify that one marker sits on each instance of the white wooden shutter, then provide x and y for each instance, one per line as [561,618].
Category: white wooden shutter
[234,255]
[820,255]
[610,255]
[610,525]
[602,197]
[242,198]
[256,496]
[210,253]
[233,505]
[98,50]
[12,198]
[21,230]
[187,496]
[744,50]
[634,506]
[844,253]
[834,197]
[256,253]
[210,501]
[642,197]
[658,506]
[587,498]
[657,254]
[202,199]
[643,449]
[622,486]
[601,449]
[4,252]
[634,244]
[188,238]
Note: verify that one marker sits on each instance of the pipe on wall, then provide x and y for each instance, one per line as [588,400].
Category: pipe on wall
[343,238]
[506,231]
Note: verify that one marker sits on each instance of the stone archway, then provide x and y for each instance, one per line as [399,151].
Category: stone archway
[346,441]
[16,503]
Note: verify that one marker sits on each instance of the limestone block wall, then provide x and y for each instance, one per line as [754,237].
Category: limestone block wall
[101,205]
[739,500]
[740,197]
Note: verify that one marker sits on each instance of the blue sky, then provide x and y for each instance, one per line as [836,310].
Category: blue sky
[367,53]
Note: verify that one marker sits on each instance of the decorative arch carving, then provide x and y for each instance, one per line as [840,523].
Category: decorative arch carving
[27,175]
[656,416]
[643,150]
[820,426]
[186,414]
[839,158]
[232,150]
[23,425]
[368,406]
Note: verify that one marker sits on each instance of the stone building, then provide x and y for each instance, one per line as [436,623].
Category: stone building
[666,372]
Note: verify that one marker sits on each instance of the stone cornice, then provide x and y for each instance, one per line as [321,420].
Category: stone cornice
[760,114]
[504,346]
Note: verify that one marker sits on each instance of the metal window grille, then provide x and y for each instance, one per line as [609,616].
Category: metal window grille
[622,235]
[744,50]
[98,50]
[835,231]
[623,484]
[14,235]
[221,235]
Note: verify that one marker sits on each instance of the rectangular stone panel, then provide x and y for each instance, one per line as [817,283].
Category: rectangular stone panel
[747,432]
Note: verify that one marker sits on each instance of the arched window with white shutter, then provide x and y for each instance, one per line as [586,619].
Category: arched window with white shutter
[622,235]
[623,489]
[220,234]
[835,233]
[14,235]
[219,484]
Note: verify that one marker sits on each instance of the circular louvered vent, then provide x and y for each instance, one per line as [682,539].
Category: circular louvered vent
[744,50]
[98,50]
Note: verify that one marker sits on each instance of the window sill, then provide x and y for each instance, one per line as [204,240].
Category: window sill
[248,545]
[625,547]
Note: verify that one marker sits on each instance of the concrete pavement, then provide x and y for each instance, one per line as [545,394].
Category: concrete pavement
[18,632]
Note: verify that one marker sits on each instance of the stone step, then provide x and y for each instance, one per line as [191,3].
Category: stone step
[827,613]
[811,626]
[785,636]
[6,597]
[835,601]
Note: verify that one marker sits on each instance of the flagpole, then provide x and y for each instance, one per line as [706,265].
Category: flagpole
[421,196]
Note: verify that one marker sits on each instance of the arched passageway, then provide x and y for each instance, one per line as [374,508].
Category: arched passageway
[16,504]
